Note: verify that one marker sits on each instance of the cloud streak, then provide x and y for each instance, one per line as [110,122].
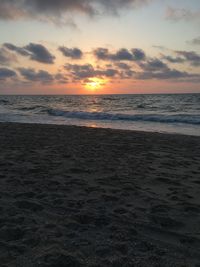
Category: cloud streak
[58,11]
[178,14]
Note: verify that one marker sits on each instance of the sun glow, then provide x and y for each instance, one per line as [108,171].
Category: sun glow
[94,84]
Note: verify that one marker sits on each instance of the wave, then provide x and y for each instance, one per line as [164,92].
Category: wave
[31,108]
[4,102]
[141,106]
[181,118]
[110,98]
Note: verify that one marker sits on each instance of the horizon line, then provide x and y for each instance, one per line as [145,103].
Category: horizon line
[185,93]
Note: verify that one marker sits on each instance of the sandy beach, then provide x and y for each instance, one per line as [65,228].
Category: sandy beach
[75,196]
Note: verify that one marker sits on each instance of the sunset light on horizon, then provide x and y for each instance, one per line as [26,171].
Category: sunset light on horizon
[100,47]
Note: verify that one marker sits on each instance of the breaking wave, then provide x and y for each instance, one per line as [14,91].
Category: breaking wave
[181,118]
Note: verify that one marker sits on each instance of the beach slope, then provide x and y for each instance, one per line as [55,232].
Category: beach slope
[75,196]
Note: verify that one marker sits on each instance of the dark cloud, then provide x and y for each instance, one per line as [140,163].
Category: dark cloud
[154,65]
[168,74]
[107,72]
[58,11]
[157,69]
[104,54]
[124,70]
[74,53]
[190,56]
[36,76]
[151,68]
[79,72]
[122,54]
[138,54]
[6,73]
[43,76]
[36,52]
[40,53]
[101,53]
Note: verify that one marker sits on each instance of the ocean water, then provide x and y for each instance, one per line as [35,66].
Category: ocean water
[156,113]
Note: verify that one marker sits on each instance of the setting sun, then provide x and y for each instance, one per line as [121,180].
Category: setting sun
[93,84]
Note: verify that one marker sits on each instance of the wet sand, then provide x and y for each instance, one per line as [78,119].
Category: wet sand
[75,196]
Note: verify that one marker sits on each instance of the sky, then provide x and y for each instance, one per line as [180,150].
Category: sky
[99,46]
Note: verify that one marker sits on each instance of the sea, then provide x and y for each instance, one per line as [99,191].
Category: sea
[166,113]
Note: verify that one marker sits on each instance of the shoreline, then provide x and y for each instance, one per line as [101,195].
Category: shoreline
[100,128]
[80,196]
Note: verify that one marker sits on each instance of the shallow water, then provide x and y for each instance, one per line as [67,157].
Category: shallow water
[157,113]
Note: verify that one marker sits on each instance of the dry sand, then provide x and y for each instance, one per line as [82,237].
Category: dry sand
[74,196]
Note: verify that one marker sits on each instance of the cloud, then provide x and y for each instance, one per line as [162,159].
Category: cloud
[150,68]
[168,74]
[61,10]
[6,73]
[104,54]
[122,65]
[122,54]
[42,76]
[107,72]
[36,76]
[74,53]
[39,53]
[177,14]
[127,74]
[157,69]
[36,52]
[160,47]
[61,78]
[195,41]
[173,59]
[124,70]
[190,56]
[101,53]
[153,65]
[80,72]
[20,50]
[138,54]
[6,57]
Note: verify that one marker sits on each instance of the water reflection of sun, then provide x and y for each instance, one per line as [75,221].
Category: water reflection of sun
[93,84]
